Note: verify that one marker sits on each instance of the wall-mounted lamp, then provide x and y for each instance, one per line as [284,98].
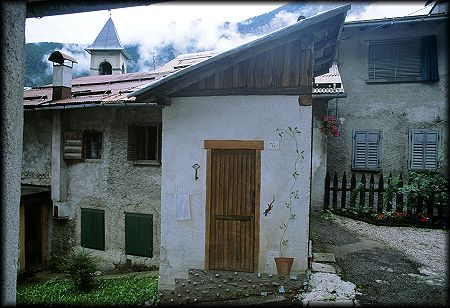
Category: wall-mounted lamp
[196,166]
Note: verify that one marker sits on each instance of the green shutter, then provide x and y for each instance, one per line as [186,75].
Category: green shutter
[93,229]
[139,234]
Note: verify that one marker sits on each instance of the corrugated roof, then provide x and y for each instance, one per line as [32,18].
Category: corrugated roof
[107,39]
[104,89]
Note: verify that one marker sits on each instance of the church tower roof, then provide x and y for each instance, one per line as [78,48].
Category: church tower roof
[107,39]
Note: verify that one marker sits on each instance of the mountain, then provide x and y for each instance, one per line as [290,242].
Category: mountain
[38,70]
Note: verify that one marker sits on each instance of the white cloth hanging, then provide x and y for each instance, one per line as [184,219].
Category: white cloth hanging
[182,208]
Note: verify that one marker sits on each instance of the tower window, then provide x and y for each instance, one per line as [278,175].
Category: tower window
[105,68]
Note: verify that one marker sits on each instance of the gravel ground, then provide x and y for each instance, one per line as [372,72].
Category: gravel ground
[428,247]
[388,265]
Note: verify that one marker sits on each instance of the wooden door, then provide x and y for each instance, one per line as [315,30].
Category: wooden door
[33,232]
[232,218]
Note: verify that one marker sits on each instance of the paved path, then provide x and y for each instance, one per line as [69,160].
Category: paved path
[383,275]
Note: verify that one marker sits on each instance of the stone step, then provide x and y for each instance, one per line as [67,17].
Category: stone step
[205,286]
[324,257]
[322,267]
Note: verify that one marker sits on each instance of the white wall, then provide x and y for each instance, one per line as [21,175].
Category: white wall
[190,121]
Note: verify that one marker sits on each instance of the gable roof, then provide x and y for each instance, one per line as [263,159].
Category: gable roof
[323,54]
[107,39]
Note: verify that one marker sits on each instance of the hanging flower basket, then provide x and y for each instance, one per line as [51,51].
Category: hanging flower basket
[329,125]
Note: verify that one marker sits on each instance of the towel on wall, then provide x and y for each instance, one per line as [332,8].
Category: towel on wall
[182,209]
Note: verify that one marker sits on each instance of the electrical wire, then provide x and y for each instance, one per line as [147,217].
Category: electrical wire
[387,22]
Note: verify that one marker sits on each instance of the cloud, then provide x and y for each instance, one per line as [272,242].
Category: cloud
[380,10]
[81,68]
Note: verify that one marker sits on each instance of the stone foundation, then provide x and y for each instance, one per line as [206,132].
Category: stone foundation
[213,285]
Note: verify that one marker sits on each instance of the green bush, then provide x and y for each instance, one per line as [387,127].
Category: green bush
[81,267]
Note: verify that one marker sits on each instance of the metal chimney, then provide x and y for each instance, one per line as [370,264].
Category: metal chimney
[62,74]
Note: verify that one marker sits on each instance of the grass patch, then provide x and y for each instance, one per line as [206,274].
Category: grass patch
[112,291]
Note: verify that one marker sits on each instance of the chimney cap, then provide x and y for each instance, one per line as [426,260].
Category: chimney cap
[59,57]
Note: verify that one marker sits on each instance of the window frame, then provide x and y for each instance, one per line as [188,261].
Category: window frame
[89,240]
[132,157]
[142,239]
[366,168]
[86,144]
[410,149]
[396,42]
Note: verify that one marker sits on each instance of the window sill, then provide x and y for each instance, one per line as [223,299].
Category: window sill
[398,80]
[366,170]
[146,163]
[92,160]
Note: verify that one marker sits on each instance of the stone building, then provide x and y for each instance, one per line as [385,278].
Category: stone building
[395,116]
[91,168]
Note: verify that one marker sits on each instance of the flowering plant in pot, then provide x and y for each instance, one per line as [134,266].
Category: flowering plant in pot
[284,264]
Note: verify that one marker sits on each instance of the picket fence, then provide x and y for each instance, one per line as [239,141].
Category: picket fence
[338,195]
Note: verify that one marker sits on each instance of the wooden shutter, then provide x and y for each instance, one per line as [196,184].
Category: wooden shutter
[93,229]
[366,150]
[395,60]
[139,234]
[424,149]
[73,145]
[131,148]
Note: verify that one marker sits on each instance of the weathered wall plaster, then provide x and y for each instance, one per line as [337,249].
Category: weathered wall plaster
[190,121]
[12,66]
[319,156]
[37,150]
[111,183]
[392,108]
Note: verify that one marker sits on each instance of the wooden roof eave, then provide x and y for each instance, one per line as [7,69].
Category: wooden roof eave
[182,79]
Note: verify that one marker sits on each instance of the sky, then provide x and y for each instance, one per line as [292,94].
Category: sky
[195,23]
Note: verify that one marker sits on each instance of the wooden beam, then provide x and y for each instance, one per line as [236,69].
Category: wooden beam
[246,91]
[234,144]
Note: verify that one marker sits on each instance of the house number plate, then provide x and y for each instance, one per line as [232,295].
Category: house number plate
[272,145]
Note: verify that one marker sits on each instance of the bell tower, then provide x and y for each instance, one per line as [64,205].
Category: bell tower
[108,57]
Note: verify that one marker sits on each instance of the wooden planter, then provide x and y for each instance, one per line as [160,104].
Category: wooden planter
[284,265]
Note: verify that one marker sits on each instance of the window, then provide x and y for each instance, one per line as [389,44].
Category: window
[93,228]
[144,143]
[413,59]
[423,149]
[93,145]
[139,234]
[366,150]
[105,68]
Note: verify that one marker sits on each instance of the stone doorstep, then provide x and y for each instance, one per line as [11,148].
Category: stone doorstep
[323,268]
[203,286]
[343,303]
[323,257]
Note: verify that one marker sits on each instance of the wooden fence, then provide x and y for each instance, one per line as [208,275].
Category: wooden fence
[375,196]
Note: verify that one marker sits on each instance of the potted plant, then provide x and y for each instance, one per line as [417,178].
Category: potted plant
[284,263]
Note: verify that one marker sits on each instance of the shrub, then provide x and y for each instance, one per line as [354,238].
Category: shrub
[81,267]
